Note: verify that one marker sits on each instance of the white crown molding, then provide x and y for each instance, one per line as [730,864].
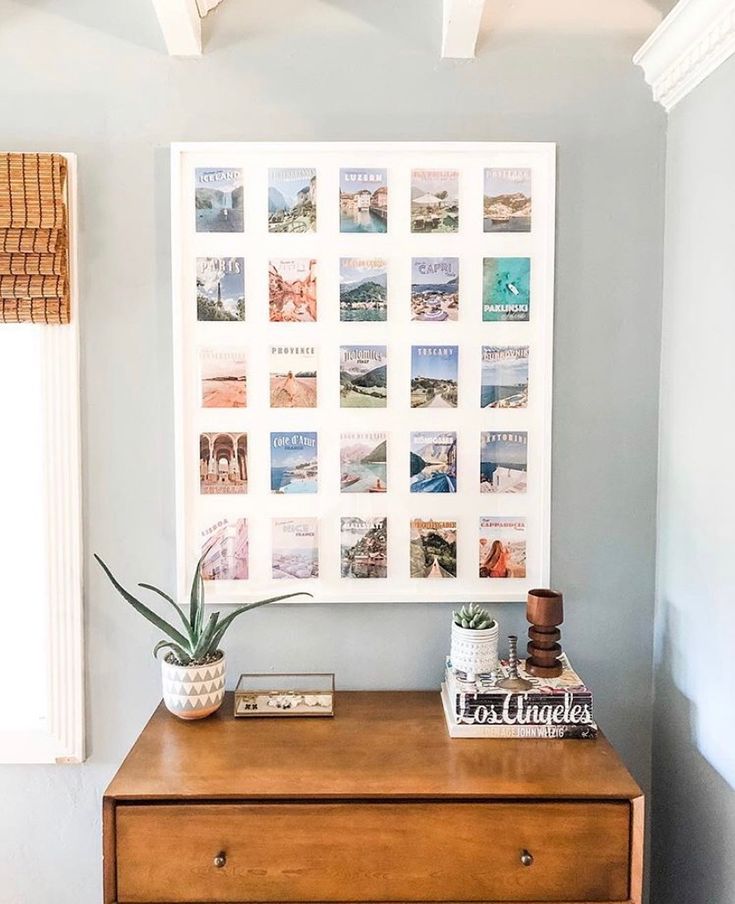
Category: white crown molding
[691,42]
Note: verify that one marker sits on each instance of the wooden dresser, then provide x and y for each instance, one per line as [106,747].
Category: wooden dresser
[377,804]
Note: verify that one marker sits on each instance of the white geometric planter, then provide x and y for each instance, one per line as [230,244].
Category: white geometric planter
[193,691]
[474,652]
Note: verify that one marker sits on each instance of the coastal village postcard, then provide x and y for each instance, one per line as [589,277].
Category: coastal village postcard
[363,462]
[506,288]
[363,376]
[504,376]
[434,288]
[434,374]
[433,462]
[363,200]
[434,200]
[218,200]
[220,283]
[223,463]
[293,376]
[503,461]
[225,550]
[502,547]
[292,290]
[224,378]
[433,549]
[295,548]
[293,463]
[507,200]
[363,547]
[291,200]
[363,289]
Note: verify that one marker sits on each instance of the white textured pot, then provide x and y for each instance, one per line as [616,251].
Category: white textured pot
[193,691]
[474,652]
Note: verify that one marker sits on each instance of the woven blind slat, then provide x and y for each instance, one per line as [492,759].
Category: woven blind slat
[32,191]
[32,241]
[32,286]
[34,310]
[32,264]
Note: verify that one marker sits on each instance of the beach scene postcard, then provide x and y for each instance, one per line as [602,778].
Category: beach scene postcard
[363,200]
[434,370]
[502,547]
[363,463]
[434,200]
[433,551]
[433,462]
[220,283]
[224,378]
[363,376]
[295,548]
[434,289]
[507,200]
[294,463]
[293,376]
[504,376]
[363,289]
[506,288]
[292,200]
[363,547]
[218,200]
[504,461]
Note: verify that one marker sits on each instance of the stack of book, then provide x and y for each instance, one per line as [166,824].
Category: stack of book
[552,708]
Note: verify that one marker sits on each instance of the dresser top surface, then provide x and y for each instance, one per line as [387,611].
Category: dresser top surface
[380,744]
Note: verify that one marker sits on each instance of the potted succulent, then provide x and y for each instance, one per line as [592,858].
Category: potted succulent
[474,649]
[193,670]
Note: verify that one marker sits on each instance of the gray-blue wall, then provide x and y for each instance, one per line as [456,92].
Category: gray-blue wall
[694,738]
[90,77]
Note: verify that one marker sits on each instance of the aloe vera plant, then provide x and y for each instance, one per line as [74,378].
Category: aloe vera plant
[198,640]
[474,617]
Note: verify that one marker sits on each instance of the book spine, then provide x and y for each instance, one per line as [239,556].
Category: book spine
[515,712]
[531,732]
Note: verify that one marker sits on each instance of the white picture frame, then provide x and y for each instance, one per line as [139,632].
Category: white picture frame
[257,335]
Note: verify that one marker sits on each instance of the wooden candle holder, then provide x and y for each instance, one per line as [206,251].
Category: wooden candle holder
[545,612]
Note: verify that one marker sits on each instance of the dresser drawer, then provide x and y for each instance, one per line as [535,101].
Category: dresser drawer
[373,852]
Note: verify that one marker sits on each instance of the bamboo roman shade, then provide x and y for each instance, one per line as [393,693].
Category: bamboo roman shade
[34,243]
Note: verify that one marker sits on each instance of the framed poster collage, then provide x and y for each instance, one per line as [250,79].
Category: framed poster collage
[363,364]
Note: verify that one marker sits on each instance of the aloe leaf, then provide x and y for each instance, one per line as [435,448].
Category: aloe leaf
[181,654]
[176,606]
[196,602]
[152,617]
[227,621]
[202,647]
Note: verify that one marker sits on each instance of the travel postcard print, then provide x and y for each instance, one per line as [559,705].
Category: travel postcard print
[363,376]
[293,463]
[507,200]
[502,547]
[293,376]
[220,288]
[503,461]
[364,547]
[434,288]
[292,200]
[504,376]
[363,463]
[433,460]
[363,200]
[225,550]
[292,290]
[224,378]
[433,549]
[363,289]
[434,371]
[506,288]
[295,548]
[223,463]
[434,200]
[218,200]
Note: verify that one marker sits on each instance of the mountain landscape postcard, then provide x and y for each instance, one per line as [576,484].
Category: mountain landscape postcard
[363,376]
[363,463]
[292,200]
[363,200]
[507,200]
[363,289]
[218,200]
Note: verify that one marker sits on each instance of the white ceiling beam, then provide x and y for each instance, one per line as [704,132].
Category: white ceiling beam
[181,24]
[461,26]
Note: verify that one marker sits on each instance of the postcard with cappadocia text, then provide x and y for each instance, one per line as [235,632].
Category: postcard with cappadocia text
[434,374]
[224,378]
[433,462]
[363,376]
[294,463]
[295,548]
[223,462]
[363,289]
[220,288]
[225,550]
[434,200]
[507,201]
[293,376]
[292,290]
[364,547]
[504,376]
[504,461]
[363,463]
[502,547]
[292,200]
[506,288]
[363,200]
[434,289]
[433,549]
[218,199]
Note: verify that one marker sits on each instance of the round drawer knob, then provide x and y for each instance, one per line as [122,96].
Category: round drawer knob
[220,860]
[526,858]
